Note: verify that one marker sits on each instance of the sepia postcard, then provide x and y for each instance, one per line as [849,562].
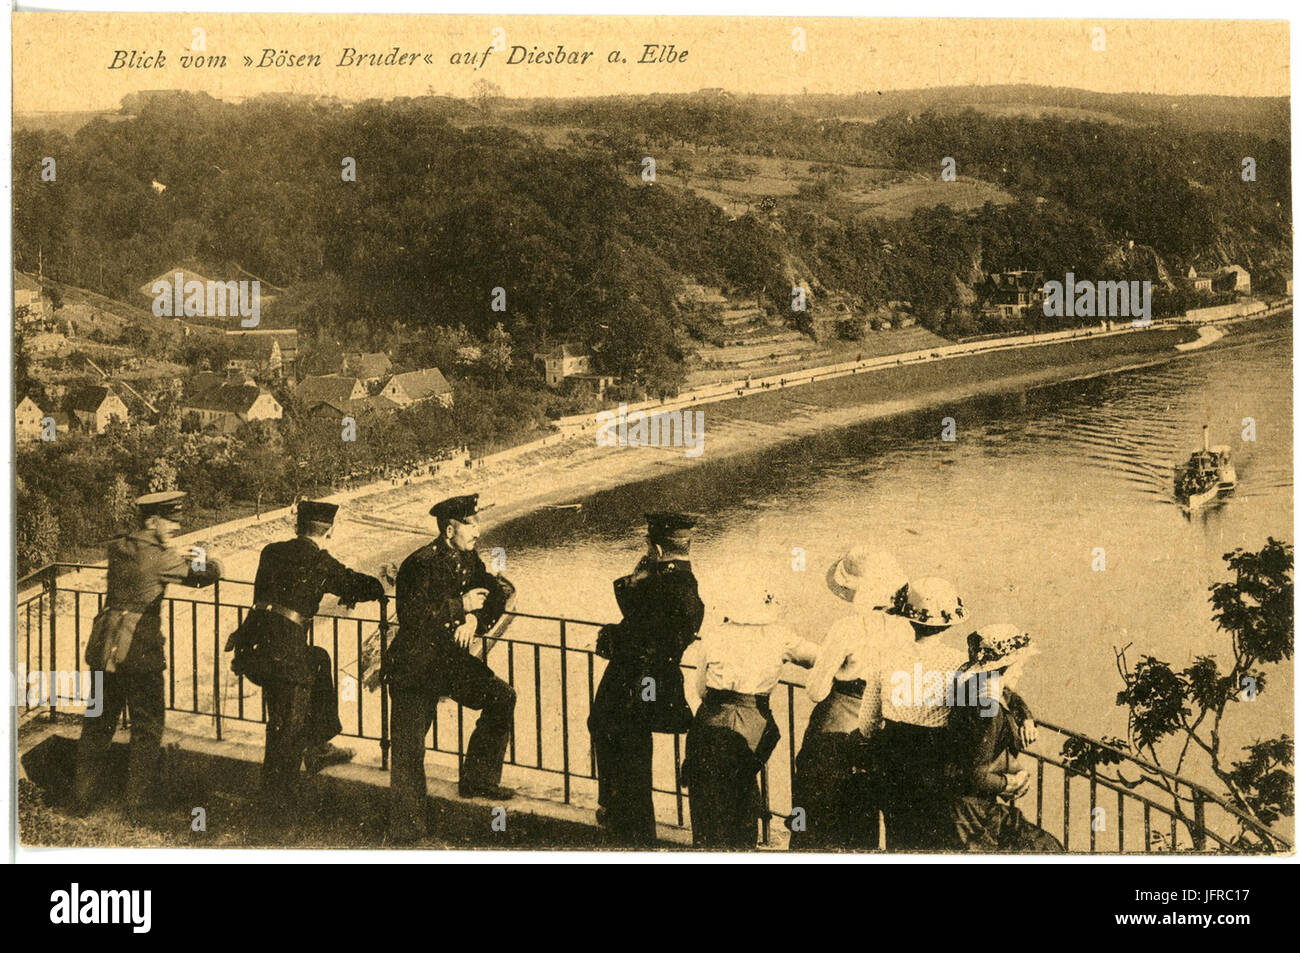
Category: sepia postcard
[762,435]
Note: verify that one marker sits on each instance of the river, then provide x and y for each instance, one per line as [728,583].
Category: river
[1013,511]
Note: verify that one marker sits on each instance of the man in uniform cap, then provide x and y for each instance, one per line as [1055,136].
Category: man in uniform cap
[126,644]
[641,691]
[272,649]
[445,597]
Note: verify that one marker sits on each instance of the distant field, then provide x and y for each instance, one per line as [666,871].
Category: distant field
[901,199]
[873,191]
[1036,111]
[776,177]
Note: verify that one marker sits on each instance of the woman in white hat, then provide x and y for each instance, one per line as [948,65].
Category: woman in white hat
[988,731]
[832,796]
[740,660]
[907,716]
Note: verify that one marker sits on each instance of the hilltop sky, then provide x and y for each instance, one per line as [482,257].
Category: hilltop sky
[61,59]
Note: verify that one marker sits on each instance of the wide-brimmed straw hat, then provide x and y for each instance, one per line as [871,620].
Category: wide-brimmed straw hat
[930,601]
[866,577]
[996,647]
[747,605]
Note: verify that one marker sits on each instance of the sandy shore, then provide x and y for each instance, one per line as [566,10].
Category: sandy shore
[381,526]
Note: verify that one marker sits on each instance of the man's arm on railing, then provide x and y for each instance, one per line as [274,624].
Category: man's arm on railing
[349,585]
[196,573]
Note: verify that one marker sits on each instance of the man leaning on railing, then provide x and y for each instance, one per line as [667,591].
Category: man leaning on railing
[126,644]
[272,649]
[445,598]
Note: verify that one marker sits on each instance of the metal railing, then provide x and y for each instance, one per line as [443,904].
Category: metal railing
[555,681]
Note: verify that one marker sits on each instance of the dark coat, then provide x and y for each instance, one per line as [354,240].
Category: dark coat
[662,614]
[293,574]
[980,820]
[430,584]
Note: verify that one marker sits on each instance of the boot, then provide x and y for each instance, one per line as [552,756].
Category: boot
[322,756]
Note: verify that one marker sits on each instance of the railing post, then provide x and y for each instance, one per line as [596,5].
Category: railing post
[1092,810]
[765,814]
[564,704]
[54,638]
[216,654]
[383,683]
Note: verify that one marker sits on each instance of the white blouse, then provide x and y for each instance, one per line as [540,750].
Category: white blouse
[912,680]
[852,648]
[742,658]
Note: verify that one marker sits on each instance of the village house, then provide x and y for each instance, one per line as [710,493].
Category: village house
[337,410]
[599,382]
[334,388]
[1231,278]
[1199,282]
[566,360]
[1010,296]
[268,354]
[27,419]
[367,367]
[28,294]
[414,387]
[203,381]
[93,408]
[227,407]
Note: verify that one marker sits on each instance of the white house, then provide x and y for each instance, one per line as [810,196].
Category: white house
[93,408]
[226,407]
[566,360]
[27,419]
[416,386]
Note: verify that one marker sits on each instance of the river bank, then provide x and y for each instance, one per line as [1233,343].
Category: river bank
[379,527]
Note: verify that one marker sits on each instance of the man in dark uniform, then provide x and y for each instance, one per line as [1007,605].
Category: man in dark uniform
[126,644]
[272,650]
[445,597]
[641,691]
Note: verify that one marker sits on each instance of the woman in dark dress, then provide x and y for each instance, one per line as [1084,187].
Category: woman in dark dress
[833,801]
[741,658]
[988,731]
[906,717]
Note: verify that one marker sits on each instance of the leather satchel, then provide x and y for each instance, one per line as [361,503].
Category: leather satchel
[110,638]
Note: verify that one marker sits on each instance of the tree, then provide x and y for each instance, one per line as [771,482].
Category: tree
[119,506]
[162,476]
[1183,710]
[22,367]
[486,94]
[641,346]
[495,356]
[259,461]
[38,532]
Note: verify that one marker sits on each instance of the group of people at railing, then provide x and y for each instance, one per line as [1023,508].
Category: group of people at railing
[916,717]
